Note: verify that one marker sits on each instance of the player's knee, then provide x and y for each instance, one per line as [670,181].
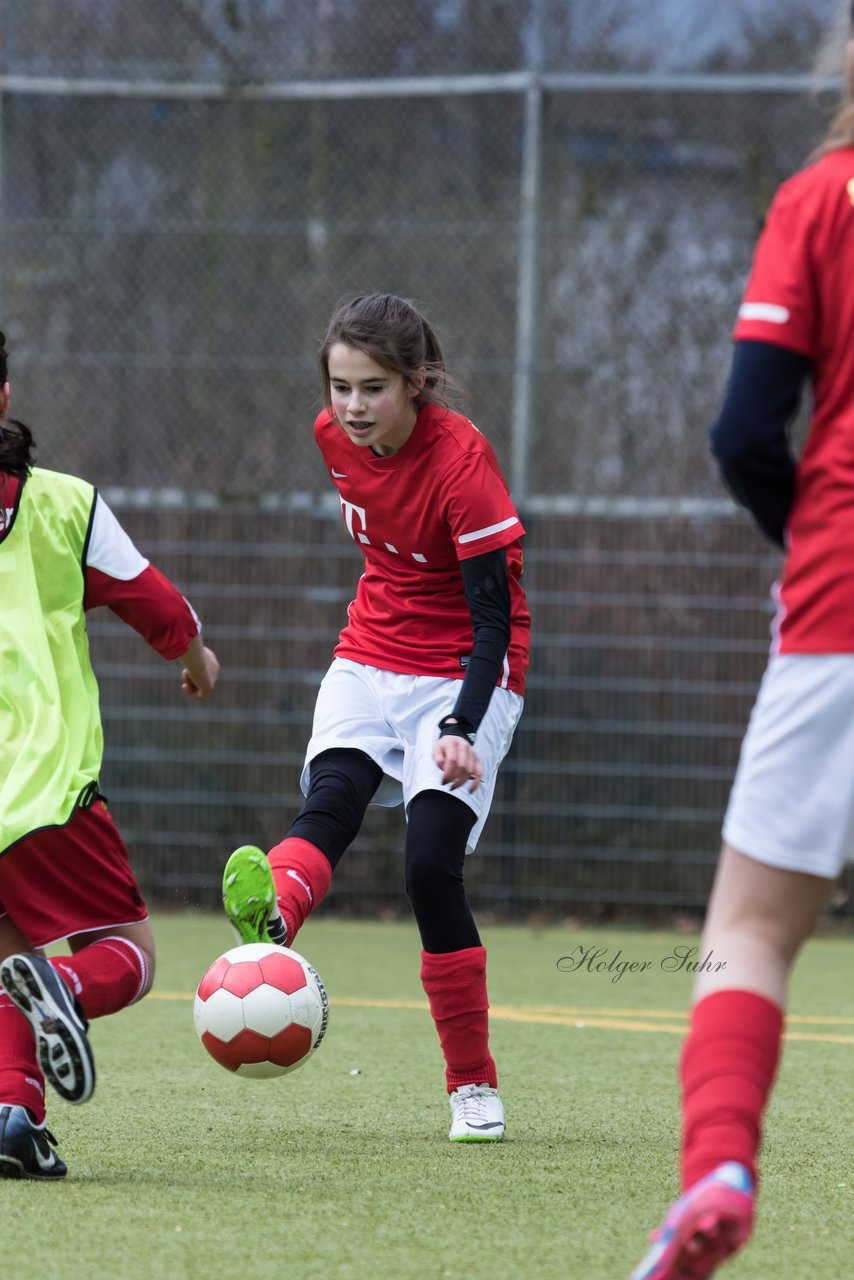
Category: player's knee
[429,878]
[342,783]
[149,970]
[327,823]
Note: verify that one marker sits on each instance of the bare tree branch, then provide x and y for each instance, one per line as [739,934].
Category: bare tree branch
[241,72]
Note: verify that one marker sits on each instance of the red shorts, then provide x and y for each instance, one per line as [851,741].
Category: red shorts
[65,880]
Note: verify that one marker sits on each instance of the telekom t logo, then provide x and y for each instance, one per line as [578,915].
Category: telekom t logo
[350,510]
[354,518]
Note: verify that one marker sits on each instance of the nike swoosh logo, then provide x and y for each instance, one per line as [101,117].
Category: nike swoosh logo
[494,1125]
[339,475]
[45,1162]
[295,876]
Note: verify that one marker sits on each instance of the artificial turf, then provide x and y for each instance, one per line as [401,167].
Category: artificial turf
[343,1169]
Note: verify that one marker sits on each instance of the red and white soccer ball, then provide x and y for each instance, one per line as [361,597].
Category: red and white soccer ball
[261,1010]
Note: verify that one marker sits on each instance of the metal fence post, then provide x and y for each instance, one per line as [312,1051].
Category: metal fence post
[524,381]
[3,318]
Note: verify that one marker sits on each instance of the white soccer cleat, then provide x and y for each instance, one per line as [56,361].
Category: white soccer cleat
[477,1114]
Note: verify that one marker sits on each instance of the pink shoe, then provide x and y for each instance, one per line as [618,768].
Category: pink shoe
[705,1225]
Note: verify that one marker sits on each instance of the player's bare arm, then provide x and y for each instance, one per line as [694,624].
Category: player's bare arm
[200,670]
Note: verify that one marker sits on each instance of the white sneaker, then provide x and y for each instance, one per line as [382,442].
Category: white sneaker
[477,1114]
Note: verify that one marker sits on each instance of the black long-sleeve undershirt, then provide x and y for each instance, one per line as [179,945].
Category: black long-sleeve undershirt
[486,584]
[750,437]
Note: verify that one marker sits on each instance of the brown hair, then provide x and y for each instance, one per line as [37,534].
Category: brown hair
[16,439]
[392,332]
[840,132]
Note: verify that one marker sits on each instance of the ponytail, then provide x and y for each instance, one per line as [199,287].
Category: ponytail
[16,439]
[437,382]
[840,132]
[16,447]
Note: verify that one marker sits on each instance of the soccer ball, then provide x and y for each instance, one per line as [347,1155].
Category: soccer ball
[261,1010]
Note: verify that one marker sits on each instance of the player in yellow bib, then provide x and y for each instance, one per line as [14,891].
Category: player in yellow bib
[64,869]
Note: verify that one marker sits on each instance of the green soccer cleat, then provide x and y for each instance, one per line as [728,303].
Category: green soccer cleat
[249,898]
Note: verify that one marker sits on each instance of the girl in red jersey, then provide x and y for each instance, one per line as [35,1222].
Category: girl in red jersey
[789,826]
[426,683]
[64,870]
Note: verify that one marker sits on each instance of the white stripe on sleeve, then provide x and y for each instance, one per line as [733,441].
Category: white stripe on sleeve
[769,311]
[196,617]
[110,548]
[477,534]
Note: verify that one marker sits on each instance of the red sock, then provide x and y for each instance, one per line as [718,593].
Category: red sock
[21,1079]
[455,983]
[728,1064]
[302,875]
[106,976]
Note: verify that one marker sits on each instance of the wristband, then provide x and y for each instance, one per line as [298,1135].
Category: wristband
[457,727]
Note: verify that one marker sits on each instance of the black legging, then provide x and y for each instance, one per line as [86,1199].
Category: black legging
[342,784]
[439,826]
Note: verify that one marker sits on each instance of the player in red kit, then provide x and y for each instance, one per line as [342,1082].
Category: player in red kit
[426,683]
[789,826]
[64,869]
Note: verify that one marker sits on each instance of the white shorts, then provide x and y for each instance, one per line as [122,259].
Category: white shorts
[394,719]
[792,801]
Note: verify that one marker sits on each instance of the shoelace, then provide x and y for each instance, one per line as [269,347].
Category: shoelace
[470,1104]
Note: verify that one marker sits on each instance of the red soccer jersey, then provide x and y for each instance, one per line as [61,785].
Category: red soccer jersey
[415,514]
[800,296]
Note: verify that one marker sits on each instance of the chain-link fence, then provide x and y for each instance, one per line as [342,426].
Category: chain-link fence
[651,635]
[572,192]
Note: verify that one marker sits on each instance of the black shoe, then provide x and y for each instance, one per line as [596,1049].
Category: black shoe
[66,1059]
[26,1151]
